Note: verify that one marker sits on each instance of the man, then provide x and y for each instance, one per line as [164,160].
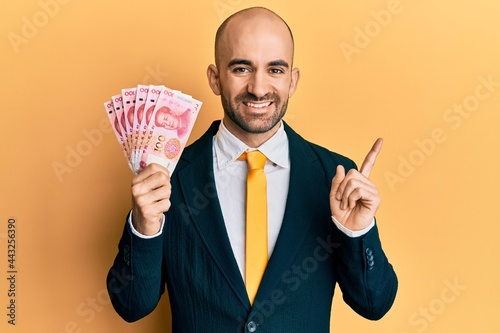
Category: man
[188,230]
[167,119]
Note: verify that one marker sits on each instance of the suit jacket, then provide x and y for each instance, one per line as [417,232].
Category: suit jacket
[193,256]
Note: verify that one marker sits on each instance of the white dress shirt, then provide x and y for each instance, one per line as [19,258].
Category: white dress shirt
[230,178]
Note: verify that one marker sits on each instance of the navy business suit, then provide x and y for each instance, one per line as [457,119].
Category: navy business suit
[193,256]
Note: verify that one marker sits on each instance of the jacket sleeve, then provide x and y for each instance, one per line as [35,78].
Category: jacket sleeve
[365,276]
[135,282]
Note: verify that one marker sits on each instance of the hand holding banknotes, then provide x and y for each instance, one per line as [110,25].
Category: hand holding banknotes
[150,198]
[152,125]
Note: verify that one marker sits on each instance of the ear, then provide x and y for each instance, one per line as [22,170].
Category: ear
[294,82]
[213,79]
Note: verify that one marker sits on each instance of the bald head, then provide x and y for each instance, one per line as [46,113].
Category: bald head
[254,74]
[248,17]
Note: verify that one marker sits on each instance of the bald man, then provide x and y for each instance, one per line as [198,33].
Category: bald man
[188,230]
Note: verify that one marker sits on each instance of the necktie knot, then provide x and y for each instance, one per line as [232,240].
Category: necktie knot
[255,159]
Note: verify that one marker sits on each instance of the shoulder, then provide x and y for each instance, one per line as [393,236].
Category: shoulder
[331,156]
[201,147]
[322,153]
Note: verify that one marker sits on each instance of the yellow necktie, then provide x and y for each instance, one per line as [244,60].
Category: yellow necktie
[256,222]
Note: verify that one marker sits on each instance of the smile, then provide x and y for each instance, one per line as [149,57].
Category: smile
[258,105]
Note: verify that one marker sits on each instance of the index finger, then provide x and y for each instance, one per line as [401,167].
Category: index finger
[369,162]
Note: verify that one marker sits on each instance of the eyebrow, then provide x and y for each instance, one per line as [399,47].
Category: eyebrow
[281,63]
[239,62]
[234,62]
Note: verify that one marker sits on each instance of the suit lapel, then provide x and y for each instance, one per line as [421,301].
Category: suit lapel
[197,184]
[301,201]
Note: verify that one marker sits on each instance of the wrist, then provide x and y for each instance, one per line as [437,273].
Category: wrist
[147,227]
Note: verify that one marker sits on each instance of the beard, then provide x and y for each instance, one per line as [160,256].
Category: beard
[255,124]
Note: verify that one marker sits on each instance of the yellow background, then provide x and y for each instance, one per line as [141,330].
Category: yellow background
[365,74]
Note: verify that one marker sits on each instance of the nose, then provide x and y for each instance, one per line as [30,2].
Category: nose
[257,84]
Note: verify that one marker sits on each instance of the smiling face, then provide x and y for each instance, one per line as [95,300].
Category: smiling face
[254,74]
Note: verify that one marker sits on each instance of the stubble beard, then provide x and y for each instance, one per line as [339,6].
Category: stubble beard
[256,124]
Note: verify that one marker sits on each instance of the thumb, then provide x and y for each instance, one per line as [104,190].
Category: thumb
[336,181]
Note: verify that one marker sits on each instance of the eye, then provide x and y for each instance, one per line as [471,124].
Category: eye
[240,70]
[276,71]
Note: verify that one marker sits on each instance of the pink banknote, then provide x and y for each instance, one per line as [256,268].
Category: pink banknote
[110,110]
[128,100]
[119,122]
[140,103]
[152,124]
[170,126]
[149,106]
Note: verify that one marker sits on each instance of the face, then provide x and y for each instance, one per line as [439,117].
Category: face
[254,77]
[167,120]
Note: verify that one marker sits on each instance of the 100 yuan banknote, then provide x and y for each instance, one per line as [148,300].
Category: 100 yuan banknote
[171,123]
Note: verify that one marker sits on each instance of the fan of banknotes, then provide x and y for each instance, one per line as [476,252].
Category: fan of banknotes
[152,124]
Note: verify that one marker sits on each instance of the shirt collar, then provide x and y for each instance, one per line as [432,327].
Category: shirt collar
[228,147]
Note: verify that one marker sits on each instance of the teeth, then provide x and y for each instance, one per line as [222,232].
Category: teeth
[259,106]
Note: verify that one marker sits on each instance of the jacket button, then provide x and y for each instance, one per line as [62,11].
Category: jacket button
[369,258]
[370,264]
[251,326]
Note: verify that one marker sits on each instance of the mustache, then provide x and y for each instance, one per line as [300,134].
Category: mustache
[252,98]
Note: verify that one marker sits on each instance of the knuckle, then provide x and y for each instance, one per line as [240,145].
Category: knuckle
[135,187]
[352,183]
[141,203]
[136,190]
[162,177]
[352,172]
[153,166]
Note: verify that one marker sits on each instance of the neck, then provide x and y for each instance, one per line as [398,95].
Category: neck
[252,140]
